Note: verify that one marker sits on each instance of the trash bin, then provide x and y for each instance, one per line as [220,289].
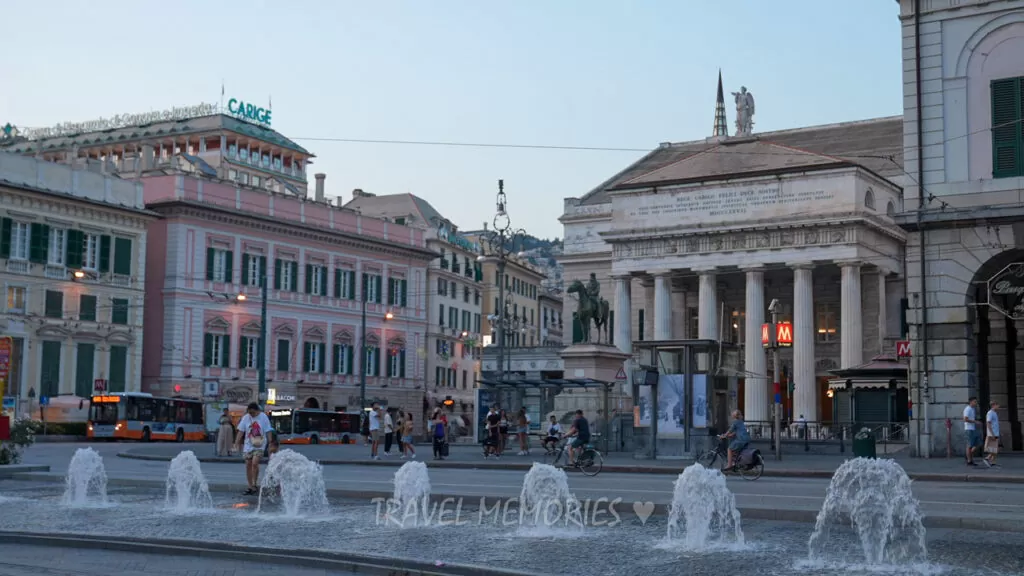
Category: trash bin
[864,444]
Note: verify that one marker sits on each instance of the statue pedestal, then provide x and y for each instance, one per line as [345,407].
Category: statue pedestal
[598,362]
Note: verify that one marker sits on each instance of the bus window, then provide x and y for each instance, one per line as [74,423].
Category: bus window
[283,424]
[103,413]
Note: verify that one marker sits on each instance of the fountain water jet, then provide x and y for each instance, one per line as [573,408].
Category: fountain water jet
[545,499]
[703,510]
[411,499]
[186,486]
[300,482]
[86,475]
[876,497]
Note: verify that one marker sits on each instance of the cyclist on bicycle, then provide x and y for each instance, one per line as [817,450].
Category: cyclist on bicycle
[578,435]
[738,438]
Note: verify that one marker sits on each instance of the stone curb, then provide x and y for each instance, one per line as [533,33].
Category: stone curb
[614,468]
[340,561]
[11,470]
[489,502]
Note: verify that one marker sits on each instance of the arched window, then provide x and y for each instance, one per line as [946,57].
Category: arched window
[869,199]
[890,209]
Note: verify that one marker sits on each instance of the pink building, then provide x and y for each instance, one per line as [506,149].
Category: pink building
[206,258]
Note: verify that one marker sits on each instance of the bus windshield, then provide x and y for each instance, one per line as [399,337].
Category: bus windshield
[103,413]
[281,420]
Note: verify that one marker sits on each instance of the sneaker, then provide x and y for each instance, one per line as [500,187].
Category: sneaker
[975,464]
[413,456]
[403,456]
[376,457]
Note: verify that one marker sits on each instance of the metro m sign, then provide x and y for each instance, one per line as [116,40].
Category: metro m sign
[766,335]
[784,333]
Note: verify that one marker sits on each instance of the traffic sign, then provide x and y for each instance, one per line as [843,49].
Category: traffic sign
[778,398]
[99,385]
[903,349]
[621,374]
[766,335]
[44,400]
[784,333]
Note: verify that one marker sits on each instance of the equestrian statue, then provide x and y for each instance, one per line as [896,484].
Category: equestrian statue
[591,308]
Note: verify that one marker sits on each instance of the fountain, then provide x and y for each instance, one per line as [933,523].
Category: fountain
[299,481]
[411,499]
[86,476]
[545,499]
[706,508]
[876,497]
[186,485]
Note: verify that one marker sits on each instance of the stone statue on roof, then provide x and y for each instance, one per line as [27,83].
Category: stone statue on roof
[744,112]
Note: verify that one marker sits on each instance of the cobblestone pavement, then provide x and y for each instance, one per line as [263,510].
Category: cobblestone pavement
[21,560]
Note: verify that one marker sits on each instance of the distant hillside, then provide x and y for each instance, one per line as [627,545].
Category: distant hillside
[544,254]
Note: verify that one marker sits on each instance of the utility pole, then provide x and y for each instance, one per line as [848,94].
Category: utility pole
[363,352]
[773,308]
[262,354]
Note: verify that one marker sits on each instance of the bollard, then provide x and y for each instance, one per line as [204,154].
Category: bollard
[949,438]
[807,438]
[842,437]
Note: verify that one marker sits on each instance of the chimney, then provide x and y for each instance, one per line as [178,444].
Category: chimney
[320,186]
[340,201]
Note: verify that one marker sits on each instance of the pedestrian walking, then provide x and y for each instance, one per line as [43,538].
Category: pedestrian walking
[503,430]
[407,428]
[992,436]
[971,429]
[252,430]
[492,444]
[389,431]
[523,431]
[374,418]
[399,430]
[439,425]
[225,434]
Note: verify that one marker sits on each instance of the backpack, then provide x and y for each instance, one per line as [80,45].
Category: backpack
[439,430]
[256,435]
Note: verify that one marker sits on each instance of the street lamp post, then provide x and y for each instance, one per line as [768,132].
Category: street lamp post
[363,353]
[262,354]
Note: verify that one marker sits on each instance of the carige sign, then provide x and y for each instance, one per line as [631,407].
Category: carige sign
[249,112]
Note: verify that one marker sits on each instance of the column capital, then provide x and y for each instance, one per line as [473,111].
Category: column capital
[883,271]
[801,265]
[705,269]
[627,276]
[849,263]
[753,268]
[662,273]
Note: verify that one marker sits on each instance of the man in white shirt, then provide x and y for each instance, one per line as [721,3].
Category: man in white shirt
[253,429]
[992,438]
[389,432]
[374,429]
[971,429]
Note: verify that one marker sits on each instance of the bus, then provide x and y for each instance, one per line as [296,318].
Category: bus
[142,416]
[305,426]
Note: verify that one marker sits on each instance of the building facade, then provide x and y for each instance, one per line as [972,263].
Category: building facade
[215,245]
[74,244]
[454,295]
[522,292]
[549,309]
[695,239]
[963,85]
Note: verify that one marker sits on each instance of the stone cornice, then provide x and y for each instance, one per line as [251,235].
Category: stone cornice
[268,225]
[859,219]
[77,209]
[736,241]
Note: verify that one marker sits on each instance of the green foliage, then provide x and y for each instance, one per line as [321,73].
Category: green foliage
[66,429]
[23,435]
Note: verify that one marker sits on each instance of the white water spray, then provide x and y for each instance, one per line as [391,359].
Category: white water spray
[86,482]
[545,499]
[411,499]
[703,511]
[186,486]
[299,481]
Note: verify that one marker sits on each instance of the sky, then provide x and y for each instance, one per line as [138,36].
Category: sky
[585,73]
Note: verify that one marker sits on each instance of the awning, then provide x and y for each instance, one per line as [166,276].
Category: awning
[557,383]
[865,383]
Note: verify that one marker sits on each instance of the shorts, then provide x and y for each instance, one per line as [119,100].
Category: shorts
[374,435]
[973,438]
[407,439]
[577,442]
[737,446]
[551,439]
[254,454]
[992,445]
[524,429]
[503,429]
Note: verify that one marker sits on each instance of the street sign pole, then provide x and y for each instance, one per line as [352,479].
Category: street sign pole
[778,386]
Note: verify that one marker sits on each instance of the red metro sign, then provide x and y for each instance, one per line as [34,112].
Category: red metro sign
[784,333]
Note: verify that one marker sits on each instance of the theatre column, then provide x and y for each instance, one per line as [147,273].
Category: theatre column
[623,314]
[805,401]
[851,340]
[883,310]
[662,305]
[679,305]
[707,302]
[755,387]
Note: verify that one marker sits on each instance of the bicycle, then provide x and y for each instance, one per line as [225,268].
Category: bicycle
[752,469]
[588,459]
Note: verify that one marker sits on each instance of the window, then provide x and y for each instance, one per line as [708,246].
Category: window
[440,316]
[219,265]
[215,350]
[254,269]
[233,174]
[50,369]
[16,299]
[476,297]
[869,199]
[343,359]
[397,292]
[465,294]
[465,320]
[372,288]
[453,317]
[286,274]
[248,353]
[1007,128]
[123,256]
[400,220]
[243,178]
[58,246]
[316,280]
[91,252]
[54,307]
[371,360]
[438,376]
[256,181]
[118,368]
[85,360]
[396,363]
[87,308]
[826,327]
[442,286]
[283,355]
[465,379]
[119,311]
[19,241]
[313,357]
[344,284]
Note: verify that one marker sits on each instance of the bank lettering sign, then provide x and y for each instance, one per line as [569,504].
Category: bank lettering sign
[250,112]
[1006,291]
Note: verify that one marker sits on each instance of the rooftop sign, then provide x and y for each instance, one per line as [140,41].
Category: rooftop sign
[119,121]
[249,112]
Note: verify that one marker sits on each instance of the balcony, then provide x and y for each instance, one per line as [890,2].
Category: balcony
[120,280]
[56,272]
[17,266]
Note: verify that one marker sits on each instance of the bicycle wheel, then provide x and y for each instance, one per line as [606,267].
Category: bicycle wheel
[754,471]
[707,459]
[552,458]
[591,462]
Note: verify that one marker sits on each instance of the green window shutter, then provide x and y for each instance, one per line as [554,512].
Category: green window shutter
[405,293]
[391,292]
[323,357]
[243,351]
[351,285]
[1006,128]
[378,299]
[123,256]
[73,254]
[229,267]
[245,269]
[54,305]
[305,357]
[295,276]
[39,243]
[104,253]
[282,356]
[50,371]
[118,368]
[323,281]
[207,349]
[211,253]
[87,308]
[6,226]
[309,278]
[350,353]
[388,372]
[335,357]
[366,284]
[262,270]
[337,283]
[577,329]
[277,273]
[119,311]
[84,364]
[225,351]
[401,363]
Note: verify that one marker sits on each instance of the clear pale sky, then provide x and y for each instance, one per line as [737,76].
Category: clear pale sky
[600,73]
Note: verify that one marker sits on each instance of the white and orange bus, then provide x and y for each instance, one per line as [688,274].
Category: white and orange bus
[305,426]
[142,416]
